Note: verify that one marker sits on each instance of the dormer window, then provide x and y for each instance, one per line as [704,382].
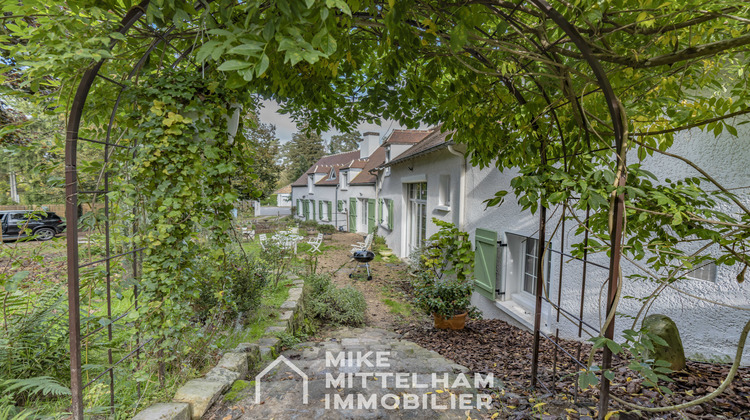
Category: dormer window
[344,179]
[332,175]
[310,183]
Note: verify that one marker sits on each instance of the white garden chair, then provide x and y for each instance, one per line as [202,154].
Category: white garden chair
[362,246]
[315,243]
[248,233]
[263,239]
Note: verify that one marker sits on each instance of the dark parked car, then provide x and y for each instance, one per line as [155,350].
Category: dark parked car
[40,225]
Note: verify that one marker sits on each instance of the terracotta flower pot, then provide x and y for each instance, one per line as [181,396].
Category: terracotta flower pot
[456,322]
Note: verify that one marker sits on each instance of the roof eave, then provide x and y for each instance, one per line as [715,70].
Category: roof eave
[416,155]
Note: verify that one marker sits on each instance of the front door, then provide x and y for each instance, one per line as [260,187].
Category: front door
[416,229]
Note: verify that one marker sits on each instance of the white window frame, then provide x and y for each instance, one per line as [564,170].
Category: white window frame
[324,216]
[705,271]
[521,295]
[444,193]
[384,212]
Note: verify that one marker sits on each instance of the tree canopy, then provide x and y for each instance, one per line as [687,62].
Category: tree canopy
[519,82]
[344,142]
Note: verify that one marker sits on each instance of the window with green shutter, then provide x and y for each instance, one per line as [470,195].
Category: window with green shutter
[320,209]
[485,262]
[312,209]
[329,205]
[340,206]
[370,215]
[352,214]
[390,215]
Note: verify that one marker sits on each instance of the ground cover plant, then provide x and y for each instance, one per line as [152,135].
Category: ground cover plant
[331,304]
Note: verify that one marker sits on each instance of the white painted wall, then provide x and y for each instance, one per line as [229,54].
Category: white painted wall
[706,329]
[428,168]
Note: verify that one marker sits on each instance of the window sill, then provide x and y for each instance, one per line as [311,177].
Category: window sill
[523,315]
[443,208]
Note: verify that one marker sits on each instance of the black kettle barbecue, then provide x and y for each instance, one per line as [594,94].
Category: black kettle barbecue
[363,259]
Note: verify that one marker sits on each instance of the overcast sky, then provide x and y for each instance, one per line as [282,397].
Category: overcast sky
[285,127]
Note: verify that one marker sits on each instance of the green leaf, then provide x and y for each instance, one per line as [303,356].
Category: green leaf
[262,66]
[248,48]
[614,347]
[233,65]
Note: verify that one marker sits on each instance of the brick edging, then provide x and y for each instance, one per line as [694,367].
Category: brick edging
[194,398]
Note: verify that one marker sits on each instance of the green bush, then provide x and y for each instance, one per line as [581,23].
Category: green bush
[327,229]
[308,224]
[328,303]
[234,285]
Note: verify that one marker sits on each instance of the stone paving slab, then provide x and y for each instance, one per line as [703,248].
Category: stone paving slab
[415,384]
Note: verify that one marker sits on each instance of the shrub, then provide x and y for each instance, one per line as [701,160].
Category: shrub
[247,277]
[277,258]
[233,285]
[327,229]
[308,224]
[328,303]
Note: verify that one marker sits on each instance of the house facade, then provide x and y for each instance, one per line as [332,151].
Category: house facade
[434,178]
[341,189]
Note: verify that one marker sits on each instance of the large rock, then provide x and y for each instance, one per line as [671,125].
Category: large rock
[200,394]
[664,327]
[165,411]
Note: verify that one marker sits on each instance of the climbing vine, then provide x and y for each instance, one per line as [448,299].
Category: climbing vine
[181,178]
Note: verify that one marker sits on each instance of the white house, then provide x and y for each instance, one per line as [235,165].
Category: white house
[316,193]
[434,178]
[284,196]
[341,189]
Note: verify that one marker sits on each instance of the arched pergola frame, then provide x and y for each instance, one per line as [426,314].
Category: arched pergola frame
[75,120]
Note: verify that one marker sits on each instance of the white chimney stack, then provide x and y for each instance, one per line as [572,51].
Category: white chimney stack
[370,141]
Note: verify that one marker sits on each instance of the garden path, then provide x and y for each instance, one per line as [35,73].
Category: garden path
[409,383]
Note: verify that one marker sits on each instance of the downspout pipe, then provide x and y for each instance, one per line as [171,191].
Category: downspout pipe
[462,188]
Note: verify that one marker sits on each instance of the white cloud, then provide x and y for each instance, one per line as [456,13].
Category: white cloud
[285,127]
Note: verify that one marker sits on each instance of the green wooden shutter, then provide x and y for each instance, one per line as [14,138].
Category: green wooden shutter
[352,215]
[328,203]
[320,209]
[297,208]
[485,262]
[340,206]
[305,209]
[312,209]
[390,215]
[370,215]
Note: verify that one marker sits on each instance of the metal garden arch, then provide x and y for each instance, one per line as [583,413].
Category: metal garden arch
[76,121]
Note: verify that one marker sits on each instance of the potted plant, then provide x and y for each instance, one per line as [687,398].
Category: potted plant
[444,286]
[327,230]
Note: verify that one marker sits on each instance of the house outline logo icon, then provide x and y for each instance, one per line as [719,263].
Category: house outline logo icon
[281,359]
